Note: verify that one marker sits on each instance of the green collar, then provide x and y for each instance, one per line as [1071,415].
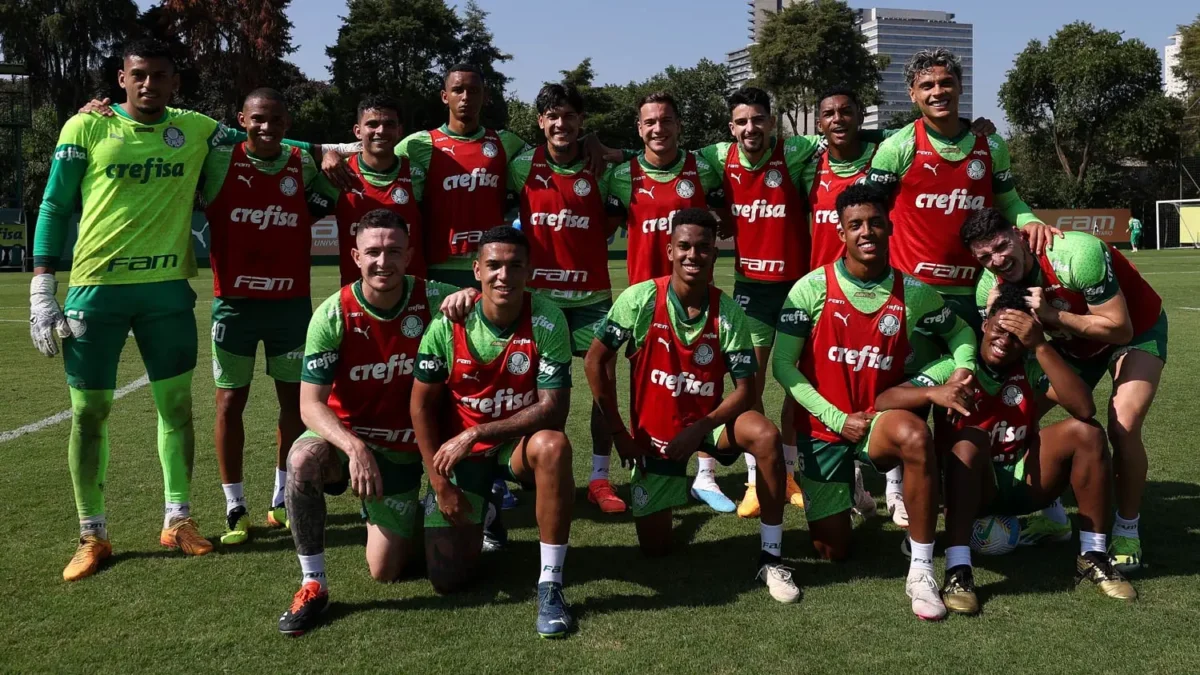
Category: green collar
[679,157]
[378,312]
[282,154]
[840,266]
[491,327]
[868,152]
[574,167]
[368,171]
[966,129]
[476,135]
[765,158]
[121,112]
[681,314]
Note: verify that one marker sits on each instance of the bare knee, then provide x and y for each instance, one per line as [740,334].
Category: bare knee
[549,449]
[385,571]
[305,459]
[1089,439]
[913,440]
[766,442]
[231,402]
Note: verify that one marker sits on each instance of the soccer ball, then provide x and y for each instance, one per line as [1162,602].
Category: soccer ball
[995,535]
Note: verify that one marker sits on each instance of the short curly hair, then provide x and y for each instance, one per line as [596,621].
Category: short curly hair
[982,225]
[931,58]
[1011,296]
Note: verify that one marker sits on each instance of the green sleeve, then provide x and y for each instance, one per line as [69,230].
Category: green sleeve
[436,352]
[436,292]
[987,281]
[216,167]
[710,174]
[798,152]
[67,169]
[518,171]
[324,342]
[618,186]
[714,155]
[552,337]
[893,159]
[1036,376]
[736,345]
[934,374]
[629,316]
[796,319]
[1088,267]
[224,135]
[513,144]
[322,196]
[935,317]
[418,148]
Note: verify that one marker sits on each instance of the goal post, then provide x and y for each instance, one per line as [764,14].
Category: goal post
[1177,223]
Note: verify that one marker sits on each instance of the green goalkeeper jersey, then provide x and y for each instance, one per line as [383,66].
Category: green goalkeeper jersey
[136,182]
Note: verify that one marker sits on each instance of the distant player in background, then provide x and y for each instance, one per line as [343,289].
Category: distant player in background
[995,459]
[1135,233]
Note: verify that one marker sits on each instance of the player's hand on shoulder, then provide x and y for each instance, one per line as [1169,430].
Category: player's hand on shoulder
[982,126]
[99,106]
[1040,236]
[335,169]
[857,425]
[458,305]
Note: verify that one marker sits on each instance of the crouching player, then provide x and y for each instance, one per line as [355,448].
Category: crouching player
[498,385]
[684,335]
[354,398]
[835,371]
[997,462]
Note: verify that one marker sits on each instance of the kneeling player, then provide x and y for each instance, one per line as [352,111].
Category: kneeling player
[1029,469]
[354,397]
[686,335]
[835,371]
[499,386]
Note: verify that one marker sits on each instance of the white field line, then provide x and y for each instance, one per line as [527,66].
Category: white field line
[66,414]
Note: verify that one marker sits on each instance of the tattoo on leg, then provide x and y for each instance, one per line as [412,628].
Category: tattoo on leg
[306,513]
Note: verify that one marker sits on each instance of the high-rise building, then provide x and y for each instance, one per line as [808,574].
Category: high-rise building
[1173,86]
[900,33]
[739,59]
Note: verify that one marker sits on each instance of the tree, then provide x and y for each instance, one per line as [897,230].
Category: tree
[476,47]
[812,46]
[63,43]
[1089,101]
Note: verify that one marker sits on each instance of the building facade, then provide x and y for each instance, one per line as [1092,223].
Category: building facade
[1173,86]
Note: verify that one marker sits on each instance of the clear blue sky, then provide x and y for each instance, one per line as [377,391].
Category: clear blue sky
[633,39]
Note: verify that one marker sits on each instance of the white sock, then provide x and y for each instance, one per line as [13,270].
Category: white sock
[175,511]
[97,525]
[706,476]
[1126,528]
[553,557]
[1092,541]
[958,555]
[790,454]
[277,499]
[895,482]
[235,496]
[771,537]
[751,469]
[312,568]
[599,467]
[922,556]
[1056,512]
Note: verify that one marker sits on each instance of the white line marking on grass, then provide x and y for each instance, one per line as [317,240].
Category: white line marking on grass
[1193,309]
[66,414]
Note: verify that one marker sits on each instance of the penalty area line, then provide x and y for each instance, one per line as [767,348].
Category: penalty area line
[66,414]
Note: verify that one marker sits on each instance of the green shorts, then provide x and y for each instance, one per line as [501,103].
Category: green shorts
[827,473]
[762,302]
[1153,341]
[927,348]
[1012,493]
[399,509]
[474,475]
[663,483]
[1135,239]
[161,315]
[462,277]
[583,322]
[239,324]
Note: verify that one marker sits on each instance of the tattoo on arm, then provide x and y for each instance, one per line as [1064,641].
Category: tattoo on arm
[550,412]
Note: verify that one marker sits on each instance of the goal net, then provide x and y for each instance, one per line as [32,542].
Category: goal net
[1177,223]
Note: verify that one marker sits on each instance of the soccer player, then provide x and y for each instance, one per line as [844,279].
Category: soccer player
[835,371]
[136,171]
[562,210]
[358,375]
[684,336]
[1135,233]
[261,238]
[492,395]
[997,461]
[1104,317]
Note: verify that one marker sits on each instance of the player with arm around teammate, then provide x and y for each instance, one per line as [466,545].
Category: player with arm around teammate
[491,397]
[684,336]
[996,460]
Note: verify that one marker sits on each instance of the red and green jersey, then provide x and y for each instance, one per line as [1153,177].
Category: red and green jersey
[827,178]
[1081,270]
[393,190]
[935,183]
[807,303]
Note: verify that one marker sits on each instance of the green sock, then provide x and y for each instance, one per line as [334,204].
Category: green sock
[176,436]
[87,452]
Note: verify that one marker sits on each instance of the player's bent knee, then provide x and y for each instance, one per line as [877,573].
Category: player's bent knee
[91,409]
[913,437]
[305,459]
[548,449]
[763,439]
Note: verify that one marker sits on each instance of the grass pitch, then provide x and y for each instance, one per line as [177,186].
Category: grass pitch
[698,611]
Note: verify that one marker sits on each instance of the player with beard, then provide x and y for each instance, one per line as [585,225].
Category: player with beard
[996,460]
[1104,317]
[835,371]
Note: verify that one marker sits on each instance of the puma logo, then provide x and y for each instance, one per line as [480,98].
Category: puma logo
[827,185]
[199,235]
[470,376]
[245,179]
[448,149]
[844,317]
[361,330]
[932,168]
[737,177]
[545,181]
[362,194]
[649,192]
[665,343]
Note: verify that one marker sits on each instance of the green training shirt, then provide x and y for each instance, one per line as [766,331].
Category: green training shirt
[136,182]
[551,338]
[617,182]
[1135,226]
[518,173]
[1080,261]
[216,167]
[418,148]
[633,311]
[326,328]
[923,308]
[323,195]
[939,372]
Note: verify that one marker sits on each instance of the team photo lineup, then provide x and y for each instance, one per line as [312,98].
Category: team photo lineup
[433,389]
